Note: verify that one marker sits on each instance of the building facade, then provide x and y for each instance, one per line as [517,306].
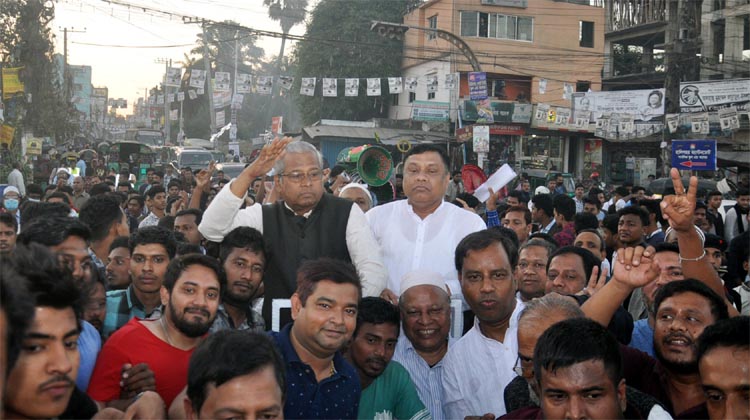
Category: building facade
[532,52]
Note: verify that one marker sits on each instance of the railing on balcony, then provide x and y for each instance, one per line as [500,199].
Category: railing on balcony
[624,14]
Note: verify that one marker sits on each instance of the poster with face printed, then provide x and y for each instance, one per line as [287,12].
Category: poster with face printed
[373,87]
[244,83]
[351,87]
[330,87]
[285,82]
[264,85]
[395,85]
[307,87]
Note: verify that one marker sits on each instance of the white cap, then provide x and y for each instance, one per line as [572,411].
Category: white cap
[362,187]
[9,189]
[541,190]
[421,278]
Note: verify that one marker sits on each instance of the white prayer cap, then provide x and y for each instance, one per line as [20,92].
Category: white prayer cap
[10,189]
[541,190]
[357,185]
[420,278]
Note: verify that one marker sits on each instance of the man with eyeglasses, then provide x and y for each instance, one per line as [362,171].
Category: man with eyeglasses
[244,262]
[532,268]
[305,224]
[538,315]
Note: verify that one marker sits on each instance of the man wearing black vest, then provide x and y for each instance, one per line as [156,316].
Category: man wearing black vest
[305,224]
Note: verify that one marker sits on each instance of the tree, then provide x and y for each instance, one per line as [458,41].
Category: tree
[222,40]
[288,13]
[221,46]
[255,116]
[26,41]
[342,45]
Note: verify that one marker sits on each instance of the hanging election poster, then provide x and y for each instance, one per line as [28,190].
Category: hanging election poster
[373,86]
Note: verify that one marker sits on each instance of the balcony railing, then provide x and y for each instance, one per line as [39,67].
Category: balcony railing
[625,14]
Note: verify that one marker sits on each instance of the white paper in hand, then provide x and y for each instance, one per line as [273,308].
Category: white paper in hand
[498,180]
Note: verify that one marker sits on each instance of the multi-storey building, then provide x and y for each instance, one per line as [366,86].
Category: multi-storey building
[531,52]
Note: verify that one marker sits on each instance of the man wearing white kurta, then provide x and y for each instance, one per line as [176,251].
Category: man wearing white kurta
[480,364]
[422,231]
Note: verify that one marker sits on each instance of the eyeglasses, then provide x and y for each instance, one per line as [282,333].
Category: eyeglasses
[521,370]
[297,177]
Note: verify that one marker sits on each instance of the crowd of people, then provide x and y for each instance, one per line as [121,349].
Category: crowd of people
[289,291]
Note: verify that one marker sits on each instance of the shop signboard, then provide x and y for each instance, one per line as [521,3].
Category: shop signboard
[643,104]
[696,155]
[477,85]
[714,95]
[489,111]
[481,139]
[466,133]
[430,111]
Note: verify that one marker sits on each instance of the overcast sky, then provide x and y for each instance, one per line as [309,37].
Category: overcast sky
[128,71]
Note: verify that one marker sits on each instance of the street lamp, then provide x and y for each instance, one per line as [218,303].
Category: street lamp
[396,31]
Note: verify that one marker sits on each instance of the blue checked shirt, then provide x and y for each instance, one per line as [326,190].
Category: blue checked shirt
[122,306]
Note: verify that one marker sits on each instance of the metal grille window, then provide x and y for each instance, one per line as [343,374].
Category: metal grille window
[493,25]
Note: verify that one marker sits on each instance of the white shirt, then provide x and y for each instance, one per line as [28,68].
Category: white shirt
[411,243]
[224,215]
[477,369]
[15,178]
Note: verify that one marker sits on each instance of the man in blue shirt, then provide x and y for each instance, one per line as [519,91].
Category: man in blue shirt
[321,384]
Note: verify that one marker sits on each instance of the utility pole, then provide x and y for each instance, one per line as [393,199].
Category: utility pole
[233,118]
[681,44]
[66,75]
[209,80]
[167,63]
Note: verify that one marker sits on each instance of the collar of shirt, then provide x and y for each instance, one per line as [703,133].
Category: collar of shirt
[440,208]
[305,215]
[133,301]
[409,348]
[247,324]
[549,226]
[512,323]
[656,232]
[290,356]
[99,263]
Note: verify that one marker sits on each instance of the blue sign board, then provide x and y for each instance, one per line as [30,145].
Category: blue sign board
[477,85]
[696,155]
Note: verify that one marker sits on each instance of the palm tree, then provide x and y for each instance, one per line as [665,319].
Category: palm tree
[288,13]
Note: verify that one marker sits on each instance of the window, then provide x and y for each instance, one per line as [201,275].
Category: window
[469,23]
[432,24]
[394,99]
[493,25]
[430,95]
[586,34]
[498,89]
[412,97]
[583,86]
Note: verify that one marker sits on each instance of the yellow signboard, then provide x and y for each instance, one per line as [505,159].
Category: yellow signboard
[11,82]
[34,147]
[6,134]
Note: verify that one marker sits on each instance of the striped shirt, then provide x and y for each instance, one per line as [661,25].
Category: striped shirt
[428,380]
